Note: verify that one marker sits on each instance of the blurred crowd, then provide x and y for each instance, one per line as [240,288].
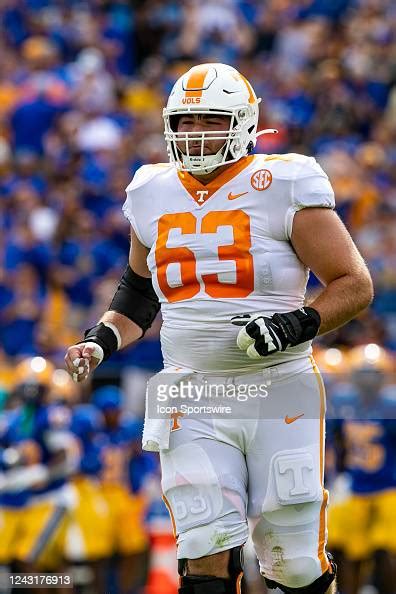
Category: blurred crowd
[82,86]
[77,494]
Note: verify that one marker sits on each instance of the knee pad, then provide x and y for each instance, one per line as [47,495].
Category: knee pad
[286,532]
[319,586]
[206,584]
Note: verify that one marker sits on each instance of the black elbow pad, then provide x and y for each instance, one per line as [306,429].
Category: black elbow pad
[136,299]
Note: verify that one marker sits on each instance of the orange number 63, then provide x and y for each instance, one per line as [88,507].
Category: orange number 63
[238,251]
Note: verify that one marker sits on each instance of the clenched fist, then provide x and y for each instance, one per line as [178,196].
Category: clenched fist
[83,358]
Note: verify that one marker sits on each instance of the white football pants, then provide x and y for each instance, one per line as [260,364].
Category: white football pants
[218,472]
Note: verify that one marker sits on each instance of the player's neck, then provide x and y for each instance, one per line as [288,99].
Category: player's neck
[208,177]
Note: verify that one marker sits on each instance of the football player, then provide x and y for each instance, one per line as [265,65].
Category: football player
[363,433]
[223,240]
[88,542]
[127,509]
[39,455]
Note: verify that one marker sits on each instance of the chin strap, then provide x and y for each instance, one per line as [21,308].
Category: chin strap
[206,164]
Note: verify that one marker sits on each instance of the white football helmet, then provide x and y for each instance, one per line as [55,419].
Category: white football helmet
[212,89]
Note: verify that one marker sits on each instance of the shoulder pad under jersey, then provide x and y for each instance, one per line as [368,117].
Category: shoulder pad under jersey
[292,165]
[146,173]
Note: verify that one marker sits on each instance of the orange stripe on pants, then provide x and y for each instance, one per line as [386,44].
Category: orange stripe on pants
[172,517]
[324,563]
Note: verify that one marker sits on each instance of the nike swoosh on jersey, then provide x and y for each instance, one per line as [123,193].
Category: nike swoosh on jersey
[232,196]
[289,420]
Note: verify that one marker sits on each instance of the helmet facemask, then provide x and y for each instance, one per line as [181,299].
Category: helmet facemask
[239,139]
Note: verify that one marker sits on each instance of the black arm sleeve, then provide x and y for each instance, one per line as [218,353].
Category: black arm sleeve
[136,299]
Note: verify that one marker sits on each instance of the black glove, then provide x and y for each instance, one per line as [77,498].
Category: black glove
[262,336]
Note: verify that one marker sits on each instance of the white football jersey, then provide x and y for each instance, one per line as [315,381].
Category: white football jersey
[223,249]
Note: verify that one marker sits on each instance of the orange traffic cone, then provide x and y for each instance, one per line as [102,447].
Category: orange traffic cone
[163,577]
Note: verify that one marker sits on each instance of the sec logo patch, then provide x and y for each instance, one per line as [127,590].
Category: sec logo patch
[261,179]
